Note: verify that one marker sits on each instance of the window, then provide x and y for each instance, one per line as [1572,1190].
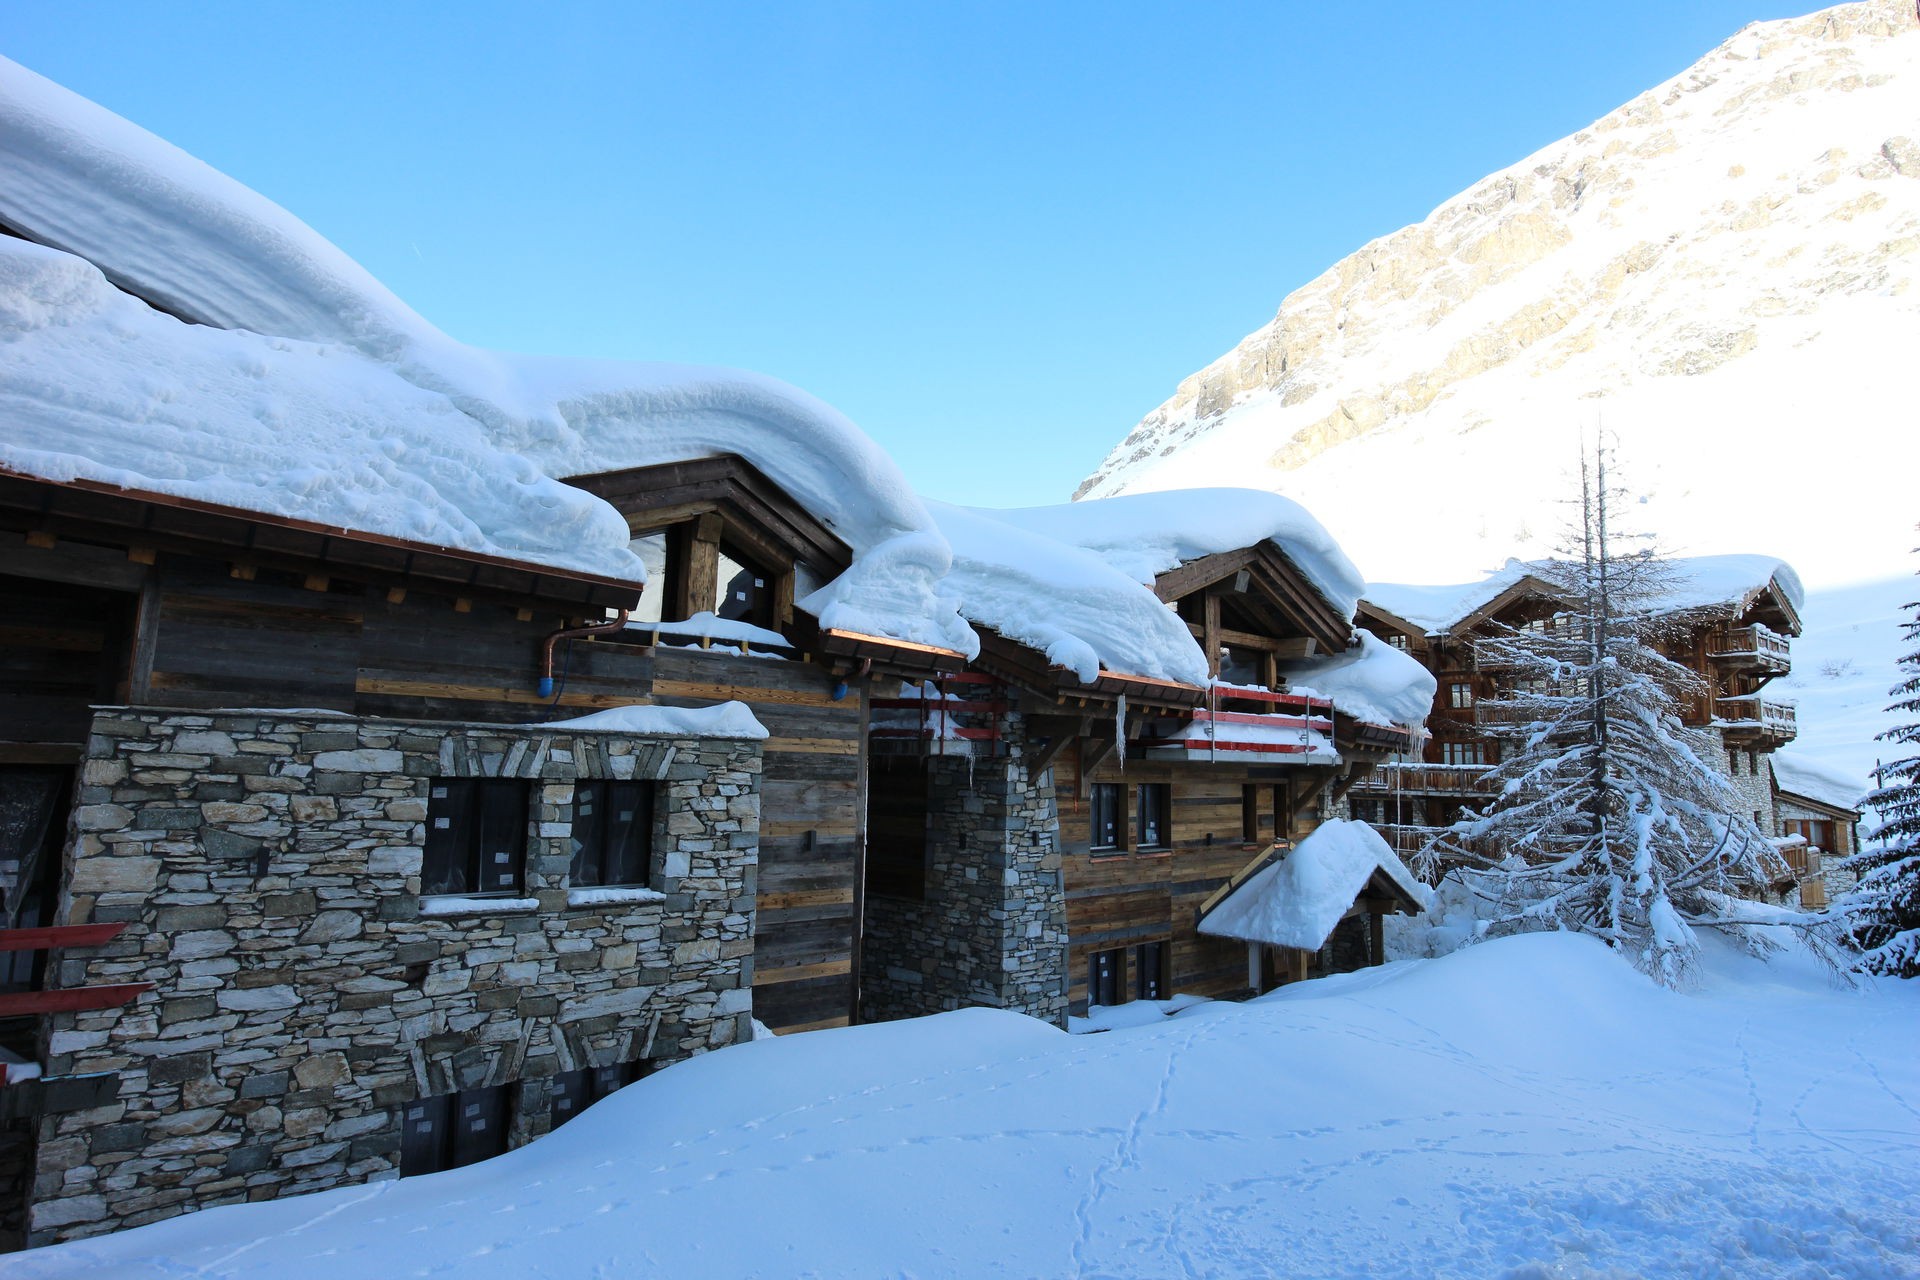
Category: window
[1401,641]
[476,836]
[1106,807]
[1460,694]
[575,1091]
[899,812]
[612,833]
[1149,970]
[1156,829]
[1103,977]
[1250,815]
[1463,753]
[1242,666]
[743,592]
[452,1130]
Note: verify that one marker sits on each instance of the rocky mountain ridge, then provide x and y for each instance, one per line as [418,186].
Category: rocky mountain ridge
[1720,273]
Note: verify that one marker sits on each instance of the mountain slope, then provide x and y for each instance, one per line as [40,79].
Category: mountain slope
[1721,273]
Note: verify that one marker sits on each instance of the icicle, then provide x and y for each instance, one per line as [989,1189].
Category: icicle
[1120,729]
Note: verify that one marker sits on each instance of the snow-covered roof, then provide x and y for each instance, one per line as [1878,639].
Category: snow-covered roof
[305,388]
[1801,777]
[1144,535]
[1696,582]
[1439,608]
[1297,901]
[1731,582]
[1373,681]
[1068,603]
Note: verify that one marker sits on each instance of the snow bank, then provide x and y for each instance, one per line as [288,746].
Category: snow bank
[1144,535]
[465,445]
[1373,681]
[722,720]
[1066,602]
[1527,1108]
[1815,781]
[1298,900]
[710,626]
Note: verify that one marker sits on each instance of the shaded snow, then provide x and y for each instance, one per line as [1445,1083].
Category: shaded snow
[1372,681]
[1298,900]
[1529,1108]
[722,720]
[1145,535]
[1438,608]
[1815,781]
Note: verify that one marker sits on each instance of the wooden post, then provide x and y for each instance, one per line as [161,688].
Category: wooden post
[1376,938]
[1211,627]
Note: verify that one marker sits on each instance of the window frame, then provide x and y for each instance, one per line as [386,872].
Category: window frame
[1159,796]
[1150,981]
[1107,971]
[461,808]
[453,1125]
[588,867]
[1111,795]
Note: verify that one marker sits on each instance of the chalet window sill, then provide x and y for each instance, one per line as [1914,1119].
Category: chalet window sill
[612,896]
[456,905]
[1157,851]
[1104,855]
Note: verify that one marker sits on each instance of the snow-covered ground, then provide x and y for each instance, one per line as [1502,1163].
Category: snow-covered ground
[1529,1108]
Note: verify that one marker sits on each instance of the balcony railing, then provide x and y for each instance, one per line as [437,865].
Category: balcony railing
[1754,648]
[1423,779]
[1752,714]
[1803,860]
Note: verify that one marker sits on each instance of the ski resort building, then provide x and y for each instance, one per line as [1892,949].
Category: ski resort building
[1733,619]
[408,744]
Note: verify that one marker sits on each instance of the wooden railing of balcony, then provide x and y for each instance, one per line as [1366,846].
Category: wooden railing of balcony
[1423,779]
[1753,646]
[1775,719]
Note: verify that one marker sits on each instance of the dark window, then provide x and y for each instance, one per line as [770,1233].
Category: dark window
[575,1091]
[1156,830]
[1459,694]
[897,817]
[1107,805]
[612,833]
[1250,814]
[1103,977]
[1241,666]
[1400,641]
[453,1130]
[1282,812]
[476,836]
[1463,753]
[743,591]
[1149,970]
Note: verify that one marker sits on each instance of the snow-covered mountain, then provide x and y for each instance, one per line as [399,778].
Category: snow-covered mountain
[1721,273]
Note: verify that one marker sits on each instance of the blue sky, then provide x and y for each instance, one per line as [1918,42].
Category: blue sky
[996,235]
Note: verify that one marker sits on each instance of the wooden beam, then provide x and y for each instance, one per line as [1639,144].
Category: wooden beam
[69,999]
[1058,743]
[60,935]
[1210,639]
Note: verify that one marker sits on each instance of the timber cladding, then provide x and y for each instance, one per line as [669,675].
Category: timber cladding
[214,633]
[1124,899]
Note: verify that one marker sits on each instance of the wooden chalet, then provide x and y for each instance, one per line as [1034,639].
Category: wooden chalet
[1160,794]
[1736,638]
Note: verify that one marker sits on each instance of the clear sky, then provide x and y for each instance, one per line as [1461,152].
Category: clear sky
[996,235]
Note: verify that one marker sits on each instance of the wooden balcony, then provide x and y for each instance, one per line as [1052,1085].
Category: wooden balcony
[1804,861]
[1752,721]
[1754,649]
[1423,780]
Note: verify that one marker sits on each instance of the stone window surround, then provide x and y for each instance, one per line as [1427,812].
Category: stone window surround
[550,839]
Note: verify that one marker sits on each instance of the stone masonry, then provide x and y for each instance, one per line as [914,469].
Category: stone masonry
[268,868]
[992,928]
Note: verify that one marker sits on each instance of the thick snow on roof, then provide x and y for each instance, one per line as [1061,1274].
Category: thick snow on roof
[1066,602]
[431,439]
[1373,681]
[1706,582]
[1697,582]
[1435,609]
[1298,900]
[1144,535]
[1815,781]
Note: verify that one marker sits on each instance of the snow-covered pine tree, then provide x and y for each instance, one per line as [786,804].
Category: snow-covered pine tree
[1883,909]
[1603,816]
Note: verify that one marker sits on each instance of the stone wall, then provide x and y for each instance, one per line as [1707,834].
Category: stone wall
[992,927]
[268,870]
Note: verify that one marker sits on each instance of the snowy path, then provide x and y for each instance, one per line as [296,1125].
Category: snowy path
[1531,1109]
